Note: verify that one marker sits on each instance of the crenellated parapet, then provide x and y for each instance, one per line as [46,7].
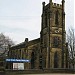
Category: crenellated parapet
[53,5]
[56,5]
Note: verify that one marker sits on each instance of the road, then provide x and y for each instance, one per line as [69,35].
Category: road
[46,74]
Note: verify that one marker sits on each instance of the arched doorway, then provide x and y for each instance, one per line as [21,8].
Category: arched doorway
[55,60]
[32,60]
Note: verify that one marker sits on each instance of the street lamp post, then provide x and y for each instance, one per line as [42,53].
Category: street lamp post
[74,60]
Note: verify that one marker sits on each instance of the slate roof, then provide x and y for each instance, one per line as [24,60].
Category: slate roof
[23,44]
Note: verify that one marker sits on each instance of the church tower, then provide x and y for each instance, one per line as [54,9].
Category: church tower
[53,39]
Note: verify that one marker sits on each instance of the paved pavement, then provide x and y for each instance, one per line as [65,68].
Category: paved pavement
[37,74]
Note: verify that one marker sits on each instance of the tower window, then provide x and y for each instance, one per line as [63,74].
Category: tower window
[56,17]
[45,19]
[55,60]
[56,42]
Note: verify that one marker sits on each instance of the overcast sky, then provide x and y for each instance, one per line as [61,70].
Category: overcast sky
[20,19]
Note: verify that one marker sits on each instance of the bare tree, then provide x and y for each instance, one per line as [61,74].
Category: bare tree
[5,41]
[71,46]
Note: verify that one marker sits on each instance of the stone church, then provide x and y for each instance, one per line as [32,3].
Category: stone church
[51,49]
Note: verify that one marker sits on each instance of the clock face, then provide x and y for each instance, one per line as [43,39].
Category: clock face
[56,31]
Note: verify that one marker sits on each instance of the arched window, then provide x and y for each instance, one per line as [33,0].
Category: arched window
[46,19]
[56,17]
[56,60]
[40,59]
[32,60]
